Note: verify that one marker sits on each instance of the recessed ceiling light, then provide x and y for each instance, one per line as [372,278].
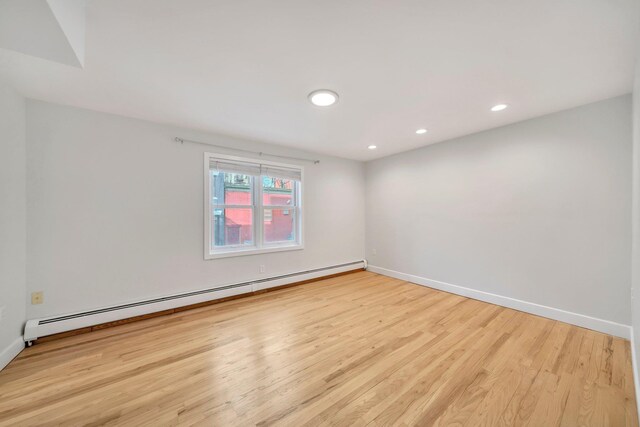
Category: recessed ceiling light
[421,131]
[499,107]
[372,147]
[323,97]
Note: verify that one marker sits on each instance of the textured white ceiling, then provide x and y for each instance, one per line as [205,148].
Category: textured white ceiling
[245,67]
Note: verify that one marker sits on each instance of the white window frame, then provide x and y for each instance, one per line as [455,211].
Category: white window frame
[258,247]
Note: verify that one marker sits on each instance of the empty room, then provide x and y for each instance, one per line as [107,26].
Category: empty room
[314,213]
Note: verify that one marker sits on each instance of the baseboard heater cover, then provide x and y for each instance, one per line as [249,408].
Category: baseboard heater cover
[37,328]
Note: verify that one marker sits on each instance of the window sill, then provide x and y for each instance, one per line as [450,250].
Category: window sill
[252,251]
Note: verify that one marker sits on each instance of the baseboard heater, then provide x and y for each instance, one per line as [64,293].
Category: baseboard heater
[37,328]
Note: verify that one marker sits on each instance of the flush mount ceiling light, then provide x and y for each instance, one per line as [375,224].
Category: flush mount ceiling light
[499,107]
[421,131]
[323,97]
[372,147]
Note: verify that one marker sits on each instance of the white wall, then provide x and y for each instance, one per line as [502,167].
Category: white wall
[537,211]
[635,253]
[12,221]
[115,211]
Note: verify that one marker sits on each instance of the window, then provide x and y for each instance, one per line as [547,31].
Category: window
[251,206]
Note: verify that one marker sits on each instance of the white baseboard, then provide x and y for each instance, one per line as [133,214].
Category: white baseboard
[634,364]
[600,325]
[10,352]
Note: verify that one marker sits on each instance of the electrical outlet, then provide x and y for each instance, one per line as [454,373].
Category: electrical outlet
[374,251]
[37,297]
[263,268]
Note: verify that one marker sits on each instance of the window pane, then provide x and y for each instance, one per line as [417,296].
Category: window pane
[232,227]
[279,225]
[230,188]
[278,191]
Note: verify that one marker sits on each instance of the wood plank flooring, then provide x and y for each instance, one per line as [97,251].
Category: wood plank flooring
[355,350]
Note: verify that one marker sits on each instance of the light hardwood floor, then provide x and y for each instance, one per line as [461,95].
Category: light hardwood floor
[353,350]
